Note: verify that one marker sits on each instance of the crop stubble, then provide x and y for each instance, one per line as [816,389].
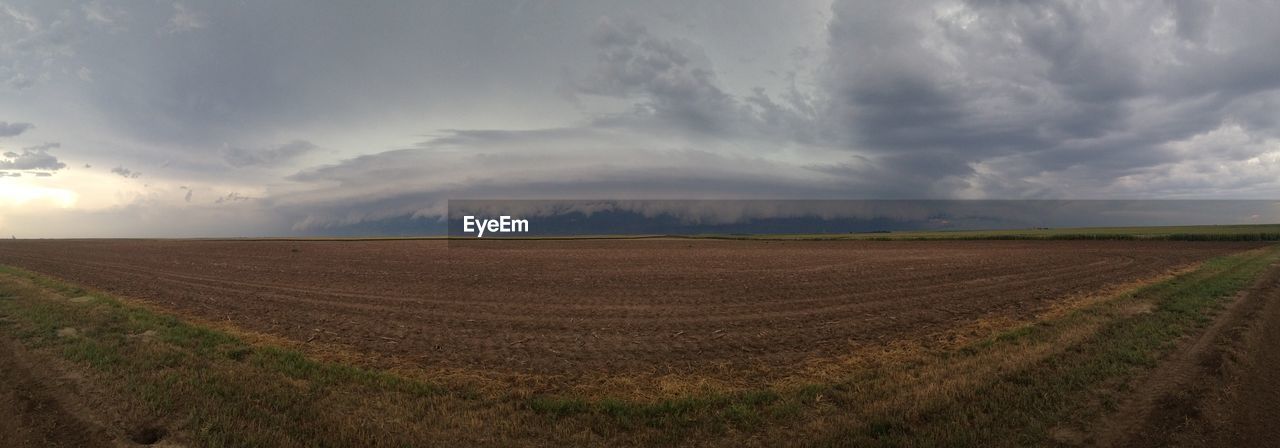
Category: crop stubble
[572,307]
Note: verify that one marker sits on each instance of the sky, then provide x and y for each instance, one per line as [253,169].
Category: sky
[235,118]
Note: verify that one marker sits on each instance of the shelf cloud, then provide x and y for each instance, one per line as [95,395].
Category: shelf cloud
[333,115]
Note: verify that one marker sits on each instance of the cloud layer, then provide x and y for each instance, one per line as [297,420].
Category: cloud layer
[315,117]
[8,129]
[35,158]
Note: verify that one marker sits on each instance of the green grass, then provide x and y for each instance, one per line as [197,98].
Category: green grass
[1252,232]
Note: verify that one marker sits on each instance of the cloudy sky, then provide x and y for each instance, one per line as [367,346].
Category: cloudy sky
[160,118]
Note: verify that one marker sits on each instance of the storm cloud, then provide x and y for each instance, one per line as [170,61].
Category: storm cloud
[32,158]
[8,129]
[330,115]
[241,157]
[125,172]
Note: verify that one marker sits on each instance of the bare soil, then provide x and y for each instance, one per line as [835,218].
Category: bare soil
[40,407]
[645,306]
[1221,387]
[1247,409]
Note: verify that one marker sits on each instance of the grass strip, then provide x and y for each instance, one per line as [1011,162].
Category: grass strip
[1244,232]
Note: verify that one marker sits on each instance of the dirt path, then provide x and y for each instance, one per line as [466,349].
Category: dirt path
[1248,411]
[36,411]
[1221,388]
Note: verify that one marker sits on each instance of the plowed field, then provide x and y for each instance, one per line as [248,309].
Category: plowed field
[563,307]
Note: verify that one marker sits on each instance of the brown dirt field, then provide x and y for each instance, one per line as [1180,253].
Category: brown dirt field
[606,306]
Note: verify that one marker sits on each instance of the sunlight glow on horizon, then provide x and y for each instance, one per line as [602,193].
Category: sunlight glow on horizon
[21,194]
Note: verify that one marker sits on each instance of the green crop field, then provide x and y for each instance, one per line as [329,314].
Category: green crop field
[1252,232]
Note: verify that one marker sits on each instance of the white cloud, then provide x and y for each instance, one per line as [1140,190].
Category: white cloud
[184,19]
[100,13]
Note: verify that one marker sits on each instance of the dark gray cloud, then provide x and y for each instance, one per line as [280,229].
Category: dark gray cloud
[184,19]
[8,129]
[126,173]
[1098,89]
[987,99]
[585,217]
[241,157]
[584,162]
[673,78]
[32,158]
[185,74]
[672,85]
[1192,17]
[809,99]
[229,197]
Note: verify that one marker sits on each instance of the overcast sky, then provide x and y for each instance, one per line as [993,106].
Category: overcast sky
[160,118]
